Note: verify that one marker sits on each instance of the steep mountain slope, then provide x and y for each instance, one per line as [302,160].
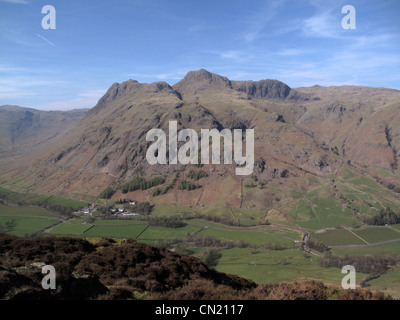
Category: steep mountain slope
[319,142]
[23,129]
[363,123]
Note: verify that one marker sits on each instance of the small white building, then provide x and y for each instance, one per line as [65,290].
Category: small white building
[130,214]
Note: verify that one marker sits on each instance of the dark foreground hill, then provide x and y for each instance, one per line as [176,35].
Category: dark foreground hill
[132,270]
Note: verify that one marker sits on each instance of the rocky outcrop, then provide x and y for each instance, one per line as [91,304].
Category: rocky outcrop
[263,89]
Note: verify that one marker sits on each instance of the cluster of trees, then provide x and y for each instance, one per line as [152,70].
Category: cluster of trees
[393,187]
[215,218]
[58,208]
[210,257]
[156,192]
[385,216]
[144,207]
[139,183]
[364,264]
[107,193]
[168,222]
[104,210]
[187,185]
[3,197]
[164,190]
[317,245]
[203,241]
[274,246]
[254,181]
[197,175]
[183,185]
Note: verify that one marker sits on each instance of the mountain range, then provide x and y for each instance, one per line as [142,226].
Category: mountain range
[323,142]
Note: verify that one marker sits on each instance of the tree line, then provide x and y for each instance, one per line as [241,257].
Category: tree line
[139,183]
[365,264]
[385,216]
[167,222]
[187,185]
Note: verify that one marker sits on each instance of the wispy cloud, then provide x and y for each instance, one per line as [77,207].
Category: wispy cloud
[233,55]
[70,104]
[16,1]
[151,76]
[323,25]
[14,87]
[258,21]
[93,94]
[85,99]
[47,40]
[290,52]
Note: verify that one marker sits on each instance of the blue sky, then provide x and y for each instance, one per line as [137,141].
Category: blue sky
[99,42]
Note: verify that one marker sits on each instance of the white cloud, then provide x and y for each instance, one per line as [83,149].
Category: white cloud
[323,25]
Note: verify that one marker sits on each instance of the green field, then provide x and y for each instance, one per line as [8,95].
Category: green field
[74,204]
[122,231]
[266,266]
[396,227]
[29,198]
[337,237]
[119,222]
[256,263]
[70,229]
[320,212]
[12,210]
[169,209]
[248,237]
[302,211]
[377,234]
[160,233]
[32,198]
[385,249]
[76,221]
[390,283]
[293,234]
[23,226]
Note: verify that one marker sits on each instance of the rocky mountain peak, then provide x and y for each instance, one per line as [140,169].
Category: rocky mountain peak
[117,90]
[200,80]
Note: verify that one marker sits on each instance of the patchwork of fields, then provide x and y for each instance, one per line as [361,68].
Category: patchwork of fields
[267,253]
